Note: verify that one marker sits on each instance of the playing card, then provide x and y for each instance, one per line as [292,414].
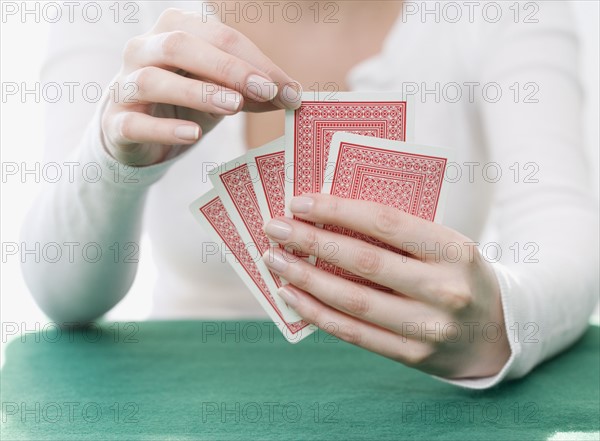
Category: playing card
[309,129]
[267,167]
[210,212]
[268,163]
[401,175]
[233,183]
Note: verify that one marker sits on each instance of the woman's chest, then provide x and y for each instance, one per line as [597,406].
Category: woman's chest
[318,60]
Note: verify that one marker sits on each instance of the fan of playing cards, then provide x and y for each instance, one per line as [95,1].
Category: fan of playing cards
[351,145]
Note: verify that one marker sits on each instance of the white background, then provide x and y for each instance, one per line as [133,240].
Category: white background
[22,47]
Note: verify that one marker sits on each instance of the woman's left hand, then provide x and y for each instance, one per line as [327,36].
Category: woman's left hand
[442,313]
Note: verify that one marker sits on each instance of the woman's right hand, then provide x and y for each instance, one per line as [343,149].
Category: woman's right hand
[180,79]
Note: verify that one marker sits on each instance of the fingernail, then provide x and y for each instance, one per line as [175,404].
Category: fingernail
[229,101]
[288,296]
[291,95]
[278,229]
[189,133]
[275,261]
[260,88]
[301,204]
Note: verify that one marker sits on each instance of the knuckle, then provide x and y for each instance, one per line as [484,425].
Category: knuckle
[143,78]
[309,240]
[386,221]
[313,315]
[169,15]
[192,95]
[367,261]
[125,126]
[305,279]
[225,38]
[171,43]
[326,208]
[418,356]
[131,48]
[456,296]
[349,333]
[356,302]
[225,66]
[331,208]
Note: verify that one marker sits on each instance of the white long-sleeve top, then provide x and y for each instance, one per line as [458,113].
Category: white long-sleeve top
[520,173]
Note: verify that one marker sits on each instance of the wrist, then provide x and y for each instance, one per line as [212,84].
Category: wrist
[134,155]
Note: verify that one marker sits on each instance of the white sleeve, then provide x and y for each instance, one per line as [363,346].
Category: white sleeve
[550,288]
[97,205]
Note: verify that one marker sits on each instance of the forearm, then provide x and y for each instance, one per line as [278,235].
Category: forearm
[548,280]
[551,285]
[545,216]
[94,218]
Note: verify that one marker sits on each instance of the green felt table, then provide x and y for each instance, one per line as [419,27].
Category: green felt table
[241,380]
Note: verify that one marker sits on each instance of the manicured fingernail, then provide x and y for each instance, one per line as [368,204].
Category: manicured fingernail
[278,229]
[260,88]
[291,95]
[275,261]
[301,204]
[288,296]
[189,133]
[229,101]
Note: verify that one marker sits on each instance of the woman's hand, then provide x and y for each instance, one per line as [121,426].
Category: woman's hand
[443,314]
[181,78]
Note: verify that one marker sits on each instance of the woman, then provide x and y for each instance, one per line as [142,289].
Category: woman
[479,319]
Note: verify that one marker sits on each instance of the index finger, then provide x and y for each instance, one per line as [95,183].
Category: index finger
[237,44]
[387,224]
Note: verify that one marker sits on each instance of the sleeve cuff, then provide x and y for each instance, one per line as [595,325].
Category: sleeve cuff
[115,173]
[517,321]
